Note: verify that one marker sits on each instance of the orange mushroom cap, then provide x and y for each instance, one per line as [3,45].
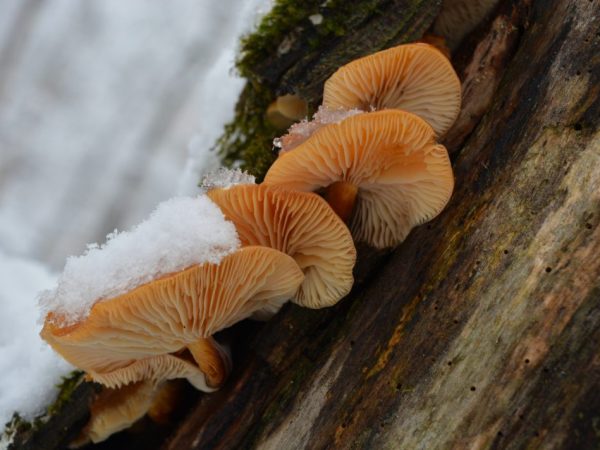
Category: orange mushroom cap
[115,410]
[141,335]
[415,77]
[301,225]
[383,171]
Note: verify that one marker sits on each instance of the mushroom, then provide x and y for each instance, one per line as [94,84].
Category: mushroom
[115,410]
[292,106]
[161,330]
[459,17]
[415,77]
[286,109]
[301,225]
[438,42]
[380,171]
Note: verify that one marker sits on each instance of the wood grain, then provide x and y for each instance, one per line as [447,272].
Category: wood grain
[482,329]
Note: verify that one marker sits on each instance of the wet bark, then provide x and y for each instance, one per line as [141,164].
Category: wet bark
[482,329]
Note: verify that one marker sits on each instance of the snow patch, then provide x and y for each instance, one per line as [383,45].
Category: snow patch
[301,131]
[29,369]
[179,233]
[226,178]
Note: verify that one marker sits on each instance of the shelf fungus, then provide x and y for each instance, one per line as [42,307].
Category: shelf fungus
[303,226]
[162,330]
[414,77]
[382,172]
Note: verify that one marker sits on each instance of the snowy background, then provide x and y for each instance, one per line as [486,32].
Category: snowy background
[99,103]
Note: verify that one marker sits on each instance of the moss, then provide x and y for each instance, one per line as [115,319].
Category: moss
[286,16]
[18,426]
[247,140]
[65,390]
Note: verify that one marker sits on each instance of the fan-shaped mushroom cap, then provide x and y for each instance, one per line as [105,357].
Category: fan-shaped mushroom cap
[416,77]
[388,160]
[301,225]
[136,336]
[117,409]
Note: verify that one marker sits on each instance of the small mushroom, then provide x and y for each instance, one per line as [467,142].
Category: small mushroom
[301,225]
[292,106]
[381,171]
[115,410]
[147,333]
[459,17]
[438,42]
[415,77]
[286,109]
[276,119]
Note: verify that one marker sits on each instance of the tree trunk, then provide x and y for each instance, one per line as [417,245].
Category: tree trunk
[482,329]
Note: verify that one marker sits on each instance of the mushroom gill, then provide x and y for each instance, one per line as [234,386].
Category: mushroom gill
[384,167]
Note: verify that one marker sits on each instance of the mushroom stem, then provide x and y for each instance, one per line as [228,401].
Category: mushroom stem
[341,196]
[166,399]
[212,359]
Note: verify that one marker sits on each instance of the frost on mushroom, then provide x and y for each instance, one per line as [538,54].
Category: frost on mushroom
[225,178]
[179,233]
[416,78]
[143,307]
[162,329]
[145,333]
[301,131]
[382,172]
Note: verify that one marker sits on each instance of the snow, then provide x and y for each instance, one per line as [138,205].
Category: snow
[114,91]
[219,91]
[29,368]
[225,178]
[181,232]
[301,131]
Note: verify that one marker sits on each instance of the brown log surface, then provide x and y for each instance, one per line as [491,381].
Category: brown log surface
[482,329]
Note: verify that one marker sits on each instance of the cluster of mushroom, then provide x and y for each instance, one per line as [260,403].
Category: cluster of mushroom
[381,171]
[371,148]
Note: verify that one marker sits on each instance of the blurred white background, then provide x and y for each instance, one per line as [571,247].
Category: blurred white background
[98,102]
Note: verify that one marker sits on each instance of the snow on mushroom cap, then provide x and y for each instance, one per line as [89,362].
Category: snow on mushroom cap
[179,233]
[138,335]
[225,178]
[301,131]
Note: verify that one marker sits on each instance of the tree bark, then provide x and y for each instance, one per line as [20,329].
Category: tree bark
[482,329]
